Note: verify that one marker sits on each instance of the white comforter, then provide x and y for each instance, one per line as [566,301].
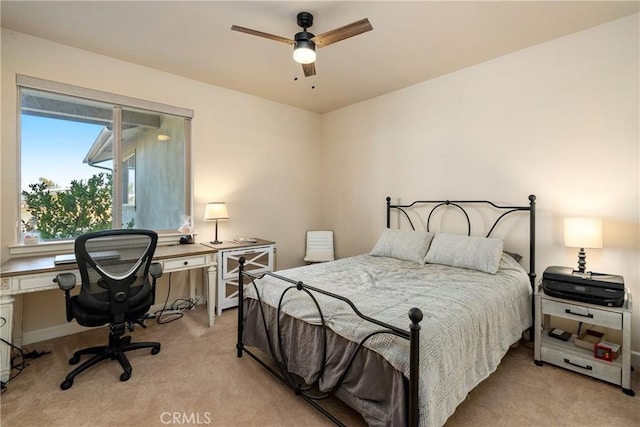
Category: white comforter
[470,318]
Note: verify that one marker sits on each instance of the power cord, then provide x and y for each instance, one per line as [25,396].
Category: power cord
[19,362]
[175,311]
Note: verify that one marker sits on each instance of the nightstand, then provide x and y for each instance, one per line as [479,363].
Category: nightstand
[259,256]
[568,355]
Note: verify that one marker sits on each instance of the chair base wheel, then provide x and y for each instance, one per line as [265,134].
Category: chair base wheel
[116,350]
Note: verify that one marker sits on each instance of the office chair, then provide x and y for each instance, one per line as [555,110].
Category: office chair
[319,246]
[114,267]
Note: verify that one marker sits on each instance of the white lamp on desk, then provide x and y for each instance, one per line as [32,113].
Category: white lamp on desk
[214,212]
[582,233]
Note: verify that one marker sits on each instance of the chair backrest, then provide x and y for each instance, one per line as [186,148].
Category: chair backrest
[319,246]
[114,268]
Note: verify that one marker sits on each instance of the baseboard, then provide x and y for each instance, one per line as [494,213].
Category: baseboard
[62,330]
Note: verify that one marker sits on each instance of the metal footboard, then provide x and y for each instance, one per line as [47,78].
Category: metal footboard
[305,391]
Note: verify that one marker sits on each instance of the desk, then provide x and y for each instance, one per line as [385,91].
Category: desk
[35,274]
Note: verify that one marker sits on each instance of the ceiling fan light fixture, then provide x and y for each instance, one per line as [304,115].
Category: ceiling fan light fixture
[305,43]
[304,52]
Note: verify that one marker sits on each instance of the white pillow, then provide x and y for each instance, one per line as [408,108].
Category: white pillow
[403,244]
[475,253]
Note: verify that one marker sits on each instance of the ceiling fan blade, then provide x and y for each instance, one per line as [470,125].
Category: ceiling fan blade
[358,27]
[261,34]
[309,69]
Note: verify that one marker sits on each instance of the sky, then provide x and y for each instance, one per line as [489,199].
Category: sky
[54,149]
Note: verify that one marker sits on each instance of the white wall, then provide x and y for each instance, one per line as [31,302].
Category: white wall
[559,120]
[262,158]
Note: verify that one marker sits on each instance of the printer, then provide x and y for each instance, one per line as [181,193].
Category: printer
[593,288]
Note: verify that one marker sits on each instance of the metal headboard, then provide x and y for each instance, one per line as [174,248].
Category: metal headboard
[461,204]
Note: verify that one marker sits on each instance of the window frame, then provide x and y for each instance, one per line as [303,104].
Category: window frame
[118,102]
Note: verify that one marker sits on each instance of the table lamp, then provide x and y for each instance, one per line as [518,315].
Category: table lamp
[214,212]
[582,233]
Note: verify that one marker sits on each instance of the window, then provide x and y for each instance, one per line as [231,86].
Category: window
[129,182]
[92,161]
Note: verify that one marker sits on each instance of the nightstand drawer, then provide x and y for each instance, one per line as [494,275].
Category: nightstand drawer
[257,260]
[572,359]
[585,314]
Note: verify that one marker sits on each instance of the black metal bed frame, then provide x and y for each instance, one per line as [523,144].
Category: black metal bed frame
[457,204]
[415,314]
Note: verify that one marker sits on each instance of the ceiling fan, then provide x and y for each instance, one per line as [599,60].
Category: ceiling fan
[305,43]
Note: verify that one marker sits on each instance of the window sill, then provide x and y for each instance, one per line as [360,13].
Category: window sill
[66,246]
[43,248]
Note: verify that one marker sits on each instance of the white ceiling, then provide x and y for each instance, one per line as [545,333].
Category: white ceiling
[412,41]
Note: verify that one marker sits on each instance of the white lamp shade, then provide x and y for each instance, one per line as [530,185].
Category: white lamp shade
[216,210]
[583,232]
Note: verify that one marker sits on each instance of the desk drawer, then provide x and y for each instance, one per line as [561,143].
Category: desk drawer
[184,263]
[40,282]
[590,315]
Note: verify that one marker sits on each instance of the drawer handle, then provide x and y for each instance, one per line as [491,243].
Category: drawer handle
[590,368]
[568,311]
[186,263]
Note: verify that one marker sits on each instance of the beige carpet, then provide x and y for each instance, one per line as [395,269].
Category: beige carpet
[196,379]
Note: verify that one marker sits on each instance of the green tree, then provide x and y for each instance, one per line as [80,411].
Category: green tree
[60,214]
[49,182]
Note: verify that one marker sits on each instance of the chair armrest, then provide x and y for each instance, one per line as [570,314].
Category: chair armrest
[66,281]
[155,269]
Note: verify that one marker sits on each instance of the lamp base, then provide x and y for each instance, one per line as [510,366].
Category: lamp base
[582,260]
[215,240]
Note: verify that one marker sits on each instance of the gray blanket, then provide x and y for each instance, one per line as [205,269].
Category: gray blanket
[470,318]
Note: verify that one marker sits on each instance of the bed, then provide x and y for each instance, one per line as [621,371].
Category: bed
[404,332]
